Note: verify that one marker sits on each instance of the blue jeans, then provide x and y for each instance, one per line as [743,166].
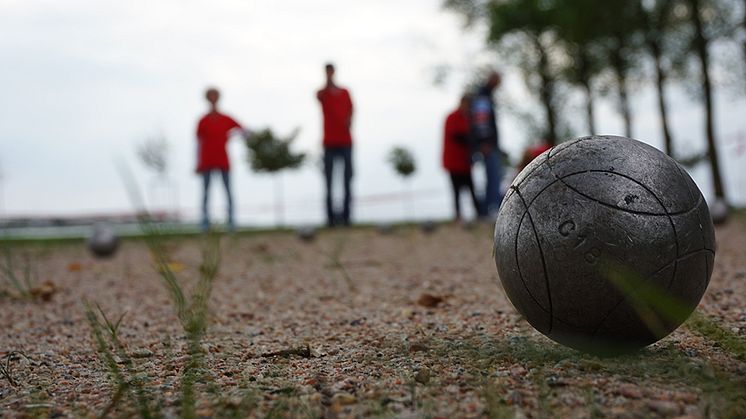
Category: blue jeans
[331,155]
[206,175]
[494,172]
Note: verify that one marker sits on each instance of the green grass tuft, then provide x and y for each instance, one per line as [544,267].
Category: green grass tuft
[128,383]
[335,260]
[22,284]
[709,329]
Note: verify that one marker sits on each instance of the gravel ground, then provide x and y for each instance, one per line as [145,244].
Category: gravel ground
[354,323]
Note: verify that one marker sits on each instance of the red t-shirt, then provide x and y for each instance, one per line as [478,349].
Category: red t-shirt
[531,153]
[456,156]
[336,107]
[212,136]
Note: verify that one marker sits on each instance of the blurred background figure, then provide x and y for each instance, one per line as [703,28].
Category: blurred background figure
[485,138]
[457,156]
[655,69]
[336,107]
[213,131]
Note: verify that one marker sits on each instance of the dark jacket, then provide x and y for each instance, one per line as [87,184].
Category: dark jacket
[483,120]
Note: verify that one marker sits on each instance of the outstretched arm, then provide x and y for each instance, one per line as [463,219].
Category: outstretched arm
[241,130]
[244,132]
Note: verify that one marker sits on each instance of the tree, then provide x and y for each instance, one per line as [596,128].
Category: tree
[153,153]
[580,34]
[402,161]
[270,154]
[404,165]
[621,45]
[523,31]
[703,15]
[657,21]
[532,22]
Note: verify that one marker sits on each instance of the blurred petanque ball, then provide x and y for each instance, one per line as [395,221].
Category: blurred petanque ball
[306,233]
[719,211]
[428,226]
[604,244]
[385,228]
[469,224]
[103,241]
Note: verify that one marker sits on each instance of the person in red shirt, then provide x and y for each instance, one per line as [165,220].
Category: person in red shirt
[336,108]
[213,131]
[531,152]
[457,154]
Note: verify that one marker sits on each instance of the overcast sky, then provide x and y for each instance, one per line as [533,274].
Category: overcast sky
[85,82]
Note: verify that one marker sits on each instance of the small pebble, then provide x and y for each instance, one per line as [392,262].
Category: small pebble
[663,407]
[142,353]
[422,376]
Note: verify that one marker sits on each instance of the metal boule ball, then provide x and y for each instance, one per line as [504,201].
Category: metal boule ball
[103,241]
[469,224]
[428,226]
[306,233]
[719,211]
[385,228]
[604,244]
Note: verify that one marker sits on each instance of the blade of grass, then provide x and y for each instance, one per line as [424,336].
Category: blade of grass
[335,260]
[665,307]
[654,306]
[127,380]
[153,236]
[9,273]
[192,313]
[6,370]
[673,310]
[196,323]
[113,328]
[28,274]
[102,346]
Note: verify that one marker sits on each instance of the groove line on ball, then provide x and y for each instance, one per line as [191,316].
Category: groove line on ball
[543,262]
[646,188]
[653,214]
[660,202]
[520,272]
[670,217]
[518,264]
[606,317]
[685,178]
